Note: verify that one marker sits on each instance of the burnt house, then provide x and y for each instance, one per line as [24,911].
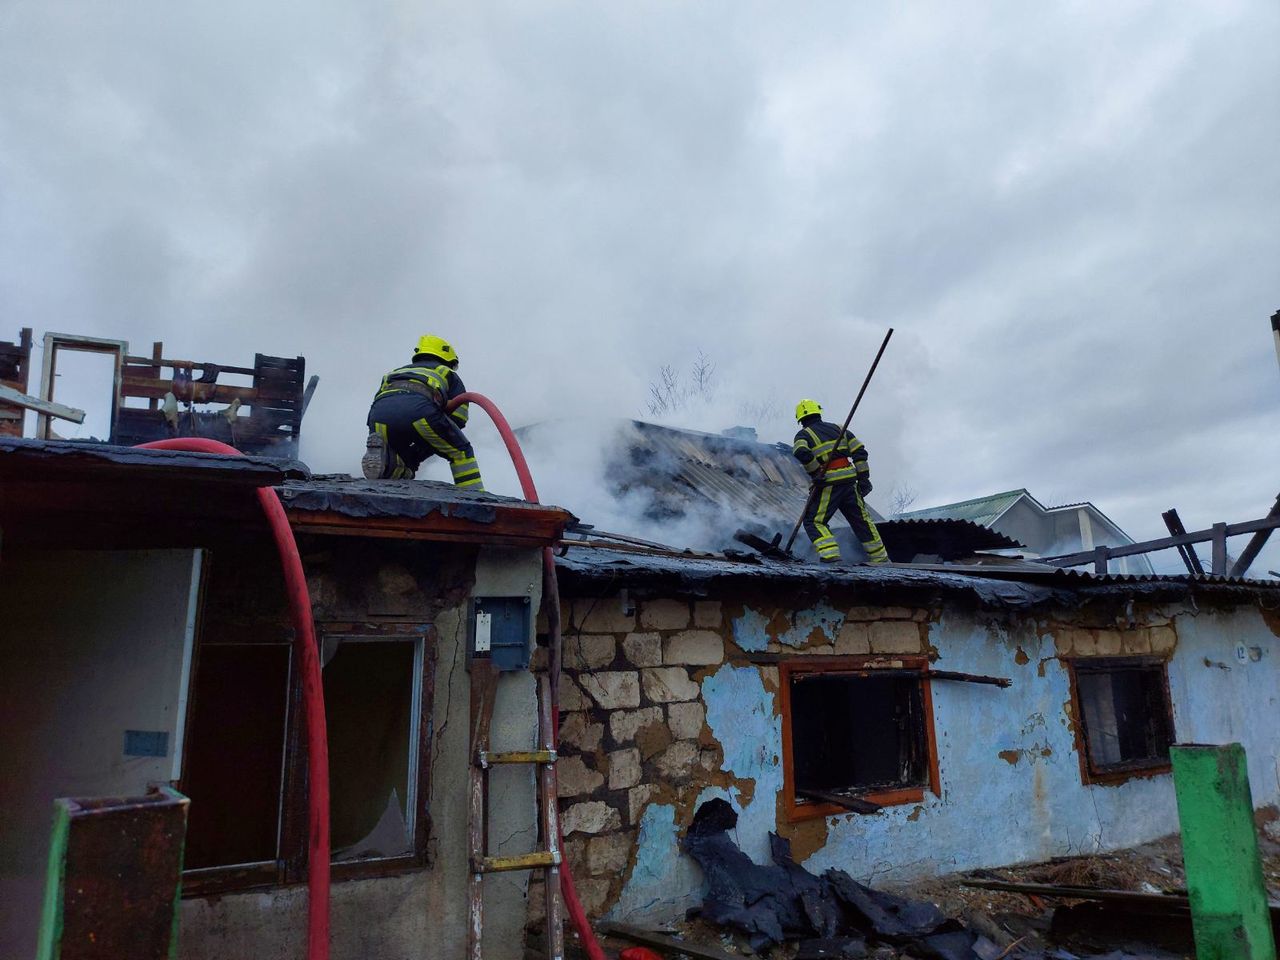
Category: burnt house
[897,722]
[257,409]
[144,639]
[15,375]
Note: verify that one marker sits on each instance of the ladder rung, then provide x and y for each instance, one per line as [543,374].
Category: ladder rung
[530,756]
[525,861]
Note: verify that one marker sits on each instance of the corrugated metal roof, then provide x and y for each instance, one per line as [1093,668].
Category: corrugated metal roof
[983,510]
[945,537]
[757,481]
[1020,585]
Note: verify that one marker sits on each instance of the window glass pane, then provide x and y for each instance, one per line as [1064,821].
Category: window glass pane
[235,754]
[368,692]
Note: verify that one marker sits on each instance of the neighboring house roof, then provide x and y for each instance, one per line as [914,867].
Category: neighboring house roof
[1097,515]
[983,510]
[990,510]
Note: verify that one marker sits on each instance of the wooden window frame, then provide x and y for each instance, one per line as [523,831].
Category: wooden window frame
[866,666]
[1113,775]
[290,866]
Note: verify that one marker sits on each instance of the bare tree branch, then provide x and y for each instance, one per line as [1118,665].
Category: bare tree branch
[901,498]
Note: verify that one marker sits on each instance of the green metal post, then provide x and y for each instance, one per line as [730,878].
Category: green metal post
[1220,850]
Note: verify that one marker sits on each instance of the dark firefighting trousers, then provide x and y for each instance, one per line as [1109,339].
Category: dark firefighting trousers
[842,497]
[413,428]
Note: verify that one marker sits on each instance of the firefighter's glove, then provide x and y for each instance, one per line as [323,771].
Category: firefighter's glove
[864,486]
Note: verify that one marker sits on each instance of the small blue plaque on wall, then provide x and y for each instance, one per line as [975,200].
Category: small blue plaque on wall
[146,743]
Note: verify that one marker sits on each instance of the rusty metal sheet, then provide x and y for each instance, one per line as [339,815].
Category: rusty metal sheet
[115,868]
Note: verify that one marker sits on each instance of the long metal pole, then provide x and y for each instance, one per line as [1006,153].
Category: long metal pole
[817,481]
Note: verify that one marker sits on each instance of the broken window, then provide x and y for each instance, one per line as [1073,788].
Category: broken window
[372,690]
[855,735]
[246,758]
[235,755]
[1125,717]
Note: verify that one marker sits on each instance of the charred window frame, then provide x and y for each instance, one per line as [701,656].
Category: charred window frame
[892,695]
[1124,717]
[390,664]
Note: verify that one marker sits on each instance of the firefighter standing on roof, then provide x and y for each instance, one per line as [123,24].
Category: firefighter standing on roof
[846,482]
[408,422]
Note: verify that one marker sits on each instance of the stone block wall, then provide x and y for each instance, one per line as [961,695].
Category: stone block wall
[634,705]
[633,723]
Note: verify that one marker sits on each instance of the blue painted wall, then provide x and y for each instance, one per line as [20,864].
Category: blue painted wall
[1028,804]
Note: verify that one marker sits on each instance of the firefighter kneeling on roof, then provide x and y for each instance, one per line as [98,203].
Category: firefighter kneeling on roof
[408,422]
[846,482]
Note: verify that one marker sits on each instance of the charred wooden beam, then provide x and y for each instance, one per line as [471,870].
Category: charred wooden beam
[59,410]
[15,373]
[1222,530]
[1254,546]
[1185,550]
[968,678]
[855,804]
[887,667]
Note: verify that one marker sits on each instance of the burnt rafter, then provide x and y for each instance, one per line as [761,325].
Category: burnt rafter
[1216,535]
[263,415]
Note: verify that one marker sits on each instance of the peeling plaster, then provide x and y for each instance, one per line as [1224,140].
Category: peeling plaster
[663,882]
[752,631]
[1010,775]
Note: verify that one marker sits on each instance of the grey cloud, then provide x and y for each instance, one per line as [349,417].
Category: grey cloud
[1066,210]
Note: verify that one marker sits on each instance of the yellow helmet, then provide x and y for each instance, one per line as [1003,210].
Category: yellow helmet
[436,347]
[807,408]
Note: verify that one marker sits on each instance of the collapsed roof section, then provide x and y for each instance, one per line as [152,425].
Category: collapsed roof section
[737,481]
[256,409]
[15,373]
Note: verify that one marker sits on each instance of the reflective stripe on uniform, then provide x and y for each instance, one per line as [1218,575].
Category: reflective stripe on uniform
[437,378]
[825,544]
[466,473]
[437,442]
[821,451]
[876,552]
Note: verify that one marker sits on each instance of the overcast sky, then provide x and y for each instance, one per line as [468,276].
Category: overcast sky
[1067,211]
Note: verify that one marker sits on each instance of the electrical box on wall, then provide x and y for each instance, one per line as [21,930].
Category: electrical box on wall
[500,629]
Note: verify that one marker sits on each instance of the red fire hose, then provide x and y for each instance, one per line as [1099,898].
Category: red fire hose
[551,600]
[313,689]
[304,645]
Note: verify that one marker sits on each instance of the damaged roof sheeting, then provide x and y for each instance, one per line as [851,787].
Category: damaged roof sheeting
[756,479]
[66,459]
[986,587]
[417,509]
[944,537]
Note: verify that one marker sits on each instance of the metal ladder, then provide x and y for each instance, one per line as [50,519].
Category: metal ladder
[484,679]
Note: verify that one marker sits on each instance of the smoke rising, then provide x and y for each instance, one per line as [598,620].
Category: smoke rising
[1066,211]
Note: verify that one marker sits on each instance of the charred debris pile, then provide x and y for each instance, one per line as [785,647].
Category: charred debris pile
[783,910]
[831,915]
